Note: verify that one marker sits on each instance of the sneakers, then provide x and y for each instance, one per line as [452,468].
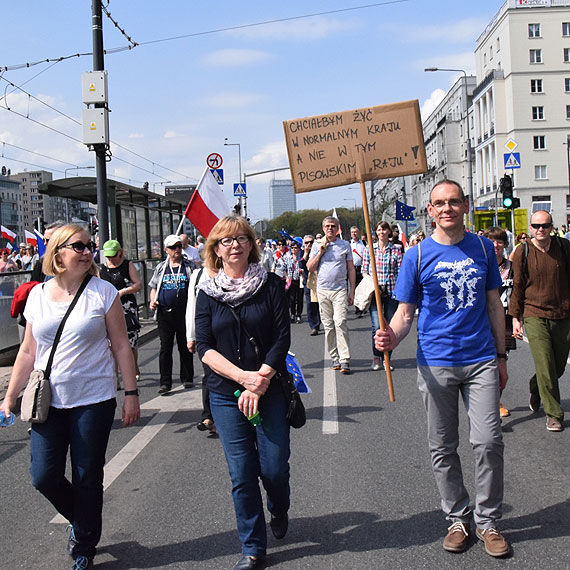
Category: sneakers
[376,363]
[298,320]
[71,540]
[314,332]
[164,390]
[345,368]
[553,425]
[534,403]
[495,543]
[82,563]
[391,367]
[457,536]
[335,365]
[503,412]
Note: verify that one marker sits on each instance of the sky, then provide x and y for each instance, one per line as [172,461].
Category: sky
[204,72]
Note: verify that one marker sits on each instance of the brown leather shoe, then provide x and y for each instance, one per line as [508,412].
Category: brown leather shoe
[457,536]
[495,543]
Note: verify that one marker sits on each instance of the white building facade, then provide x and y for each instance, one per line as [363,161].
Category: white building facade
[282,198]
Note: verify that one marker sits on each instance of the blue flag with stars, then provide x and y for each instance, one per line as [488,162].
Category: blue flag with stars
[404,212]
[294,367]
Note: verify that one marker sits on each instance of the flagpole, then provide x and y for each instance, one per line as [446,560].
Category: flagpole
[376,287]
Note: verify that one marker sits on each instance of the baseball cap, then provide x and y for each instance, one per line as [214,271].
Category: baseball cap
[111,247]
[171,240]
[299,240]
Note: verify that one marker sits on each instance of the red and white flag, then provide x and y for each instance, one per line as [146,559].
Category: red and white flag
[207,204]
[339,226]
[403,238]
[31,238]
[8,234]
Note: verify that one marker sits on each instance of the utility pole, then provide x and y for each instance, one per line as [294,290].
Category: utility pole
[100,149]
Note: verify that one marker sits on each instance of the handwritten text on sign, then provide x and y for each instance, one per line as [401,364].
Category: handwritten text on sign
[353,146]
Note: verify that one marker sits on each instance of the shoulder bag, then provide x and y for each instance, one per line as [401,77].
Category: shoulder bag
[296,414]
[37,395]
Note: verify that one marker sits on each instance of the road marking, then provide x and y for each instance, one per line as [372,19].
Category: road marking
[330,409]
[180,399]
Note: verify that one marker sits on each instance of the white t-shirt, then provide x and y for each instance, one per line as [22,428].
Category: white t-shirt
[82,372]
[193,254]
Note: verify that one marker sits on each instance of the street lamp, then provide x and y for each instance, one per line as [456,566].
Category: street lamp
[241,198]
[469,163]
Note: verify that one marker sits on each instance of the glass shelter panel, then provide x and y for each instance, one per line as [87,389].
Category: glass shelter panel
[129,233]
[141,233]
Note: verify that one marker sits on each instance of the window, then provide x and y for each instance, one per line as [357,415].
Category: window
[536,86]
[491,52]
[498,44]
[567,85]
[534,30]
[536,56]
[538,113]
[566,55]
[566,28]
[568,111]
[541,203]
[568,201]
[539,142]
[540,172]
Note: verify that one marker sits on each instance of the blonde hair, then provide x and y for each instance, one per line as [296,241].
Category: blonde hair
[229,226]
[51,265]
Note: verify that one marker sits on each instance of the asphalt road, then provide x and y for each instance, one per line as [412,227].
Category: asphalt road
[363,495]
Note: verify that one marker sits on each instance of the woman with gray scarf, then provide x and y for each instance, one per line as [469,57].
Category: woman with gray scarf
[243,335]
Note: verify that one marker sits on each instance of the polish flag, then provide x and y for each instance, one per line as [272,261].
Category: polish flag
[403,238]
[8,234]
[207,204]
[31,238]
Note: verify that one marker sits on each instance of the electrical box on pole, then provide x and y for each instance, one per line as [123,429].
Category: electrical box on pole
[94,87]
[95,126]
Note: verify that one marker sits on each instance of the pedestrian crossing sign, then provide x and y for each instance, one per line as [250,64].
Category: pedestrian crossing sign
[239,189]
[218,174]
[512,160]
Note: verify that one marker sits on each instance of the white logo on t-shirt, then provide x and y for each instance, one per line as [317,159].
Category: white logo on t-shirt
[459,284]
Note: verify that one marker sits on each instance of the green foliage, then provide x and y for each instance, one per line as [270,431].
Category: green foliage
[310,222]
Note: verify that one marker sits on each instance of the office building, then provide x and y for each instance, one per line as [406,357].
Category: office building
[282,198]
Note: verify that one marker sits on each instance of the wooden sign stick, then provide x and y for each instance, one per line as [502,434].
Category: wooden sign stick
[376,287]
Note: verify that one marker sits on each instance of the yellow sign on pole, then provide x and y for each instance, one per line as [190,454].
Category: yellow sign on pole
[354,146]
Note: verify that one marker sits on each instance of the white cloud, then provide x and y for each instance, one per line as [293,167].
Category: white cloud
[315,28]
[430,104]
[460,32]
[233,99]
[236,57]
[172,135]
[136,136]
[272,155]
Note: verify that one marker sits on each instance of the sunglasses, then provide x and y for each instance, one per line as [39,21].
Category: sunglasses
[543,226]
[79,246]
[175,246]
[309,242]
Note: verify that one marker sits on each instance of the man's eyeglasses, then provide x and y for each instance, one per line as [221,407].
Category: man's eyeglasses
[229,241]
[175,246]
[309,242]
[543,226]
[79,246]
[454,203]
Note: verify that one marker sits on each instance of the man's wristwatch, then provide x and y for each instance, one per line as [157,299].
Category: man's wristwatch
[502,355]
[131,392]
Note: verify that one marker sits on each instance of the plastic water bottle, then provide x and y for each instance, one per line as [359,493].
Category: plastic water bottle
[256,418]
[4,421]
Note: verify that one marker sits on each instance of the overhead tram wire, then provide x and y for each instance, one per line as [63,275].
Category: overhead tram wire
[17,87]
[207,32]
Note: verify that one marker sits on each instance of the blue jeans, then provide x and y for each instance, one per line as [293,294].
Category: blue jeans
[85,432]
[252,453]
[389,307]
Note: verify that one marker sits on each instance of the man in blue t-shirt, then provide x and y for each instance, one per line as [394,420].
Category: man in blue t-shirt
[453,278]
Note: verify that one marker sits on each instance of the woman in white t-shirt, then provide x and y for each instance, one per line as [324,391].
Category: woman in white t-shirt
[82,381]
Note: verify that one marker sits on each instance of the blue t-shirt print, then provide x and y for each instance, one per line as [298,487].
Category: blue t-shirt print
[453,325]
[174,289]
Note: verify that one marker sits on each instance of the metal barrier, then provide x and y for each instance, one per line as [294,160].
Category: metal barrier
[9,282]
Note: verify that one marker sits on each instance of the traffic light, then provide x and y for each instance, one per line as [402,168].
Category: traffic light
[506,187]
[516,203]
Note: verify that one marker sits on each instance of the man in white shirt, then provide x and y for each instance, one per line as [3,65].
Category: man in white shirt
[357,246]
[189,251]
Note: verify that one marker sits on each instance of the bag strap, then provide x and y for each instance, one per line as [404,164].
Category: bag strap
[61,325]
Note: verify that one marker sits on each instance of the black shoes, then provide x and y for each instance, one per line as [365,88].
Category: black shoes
[164,390]
[248,563]
[279,526]
[534,402]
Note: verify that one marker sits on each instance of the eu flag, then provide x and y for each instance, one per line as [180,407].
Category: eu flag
[404,212]
[294,368]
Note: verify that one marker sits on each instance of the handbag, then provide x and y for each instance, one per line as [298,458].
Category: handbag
[364,292]
[37,394]
[296,415]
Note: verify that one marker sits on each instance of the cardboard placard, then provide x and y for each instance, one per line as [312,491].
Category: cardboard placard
[353,146]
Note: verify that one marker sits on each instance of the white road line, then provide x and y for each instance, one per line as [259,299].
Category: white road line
[167,406]
[330,409]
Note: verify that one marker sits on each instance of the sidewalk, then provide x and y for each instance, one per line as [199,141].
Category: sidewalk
[148,332]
